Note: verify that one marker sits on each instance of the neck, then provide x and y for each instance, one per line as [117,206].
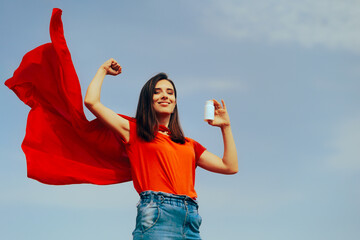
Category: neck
[163,120]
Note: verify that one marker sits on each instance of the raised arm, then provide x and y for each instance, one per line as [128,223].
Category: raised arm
[228,164]
[92,101]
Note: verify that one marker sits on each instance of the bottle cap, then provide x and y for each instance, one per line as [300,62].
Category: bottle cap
[209,102]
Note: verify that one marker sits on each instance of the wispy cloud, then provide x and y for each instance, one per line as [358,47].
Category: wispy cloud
[192,85]
[346,155]
[81,196]
[329,23]
[249,200]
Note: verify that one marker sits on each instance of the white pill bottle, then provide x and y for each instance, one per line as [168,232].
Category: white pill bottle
[209,110]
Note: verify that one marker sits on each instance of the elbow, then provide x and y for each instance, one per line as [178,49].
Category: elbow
[233,171]
[232,167]
[89,103]
[230,170]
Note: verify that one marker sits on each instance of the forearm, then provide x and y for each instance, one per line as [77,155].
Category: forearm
[230,158]
[93,92]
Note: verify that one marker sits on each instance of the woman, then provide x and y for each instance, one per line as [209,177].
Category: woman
[162,160]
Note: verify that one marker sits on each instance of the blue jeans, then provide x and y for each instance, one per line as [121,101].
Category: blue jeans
[163,216]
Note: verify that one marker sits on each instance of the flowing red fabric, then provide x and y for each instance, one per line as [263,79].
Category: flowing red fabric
[61,146]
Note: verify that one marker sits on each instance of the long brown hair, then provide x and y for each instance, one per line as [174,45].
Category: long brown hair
[146,120]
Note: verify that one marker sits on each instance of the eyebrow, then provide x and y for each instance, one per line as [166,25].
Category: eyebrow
[166,89]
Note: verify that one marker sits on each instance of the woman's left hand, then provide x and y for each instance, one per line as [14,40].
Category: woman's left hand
[221,118]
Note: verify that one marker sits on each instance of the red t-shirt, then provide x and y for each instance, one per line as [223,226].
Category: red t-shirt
[163,165]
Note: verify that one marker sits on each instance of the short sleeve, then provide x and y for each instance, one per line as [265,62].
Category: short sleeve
[199,149]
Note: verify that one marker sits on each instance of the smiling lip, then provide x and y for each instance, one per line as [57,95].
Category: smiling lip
[164,103]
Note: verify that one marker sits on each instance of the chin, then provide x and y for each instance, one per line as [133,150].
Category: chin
[163,113]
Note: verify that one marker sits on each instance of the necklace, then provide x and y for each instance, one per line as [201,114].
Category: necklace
[163,128]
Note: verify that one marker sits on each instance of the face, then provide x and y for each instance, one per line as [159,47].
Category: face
[164,100]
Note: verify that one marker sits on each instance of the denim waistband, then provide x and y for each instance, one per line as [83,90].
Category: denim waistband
[173,199]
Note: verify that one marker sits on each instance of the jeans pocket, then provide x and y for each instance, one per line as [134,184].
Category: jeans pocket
[195,221]
[147,217]
[199,220]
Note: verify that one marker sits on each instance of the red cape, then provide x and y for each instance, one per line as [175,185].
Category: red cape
[61,146]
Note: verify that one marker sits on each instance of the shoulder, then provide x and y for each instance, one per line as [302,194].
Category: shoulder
[190,140]
[193,142]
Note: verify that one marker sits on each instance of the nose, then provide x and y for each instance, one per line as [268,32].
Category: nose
[164,96]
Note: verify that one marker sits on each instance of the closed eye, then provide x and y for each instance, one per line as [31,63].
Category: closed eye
[168,91]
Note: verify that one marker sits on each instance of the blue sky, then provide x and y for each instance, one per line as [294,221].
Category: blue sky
[288,70]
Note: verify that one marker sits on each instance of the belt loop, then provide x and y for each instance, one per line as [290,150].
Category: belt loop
[151,197]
